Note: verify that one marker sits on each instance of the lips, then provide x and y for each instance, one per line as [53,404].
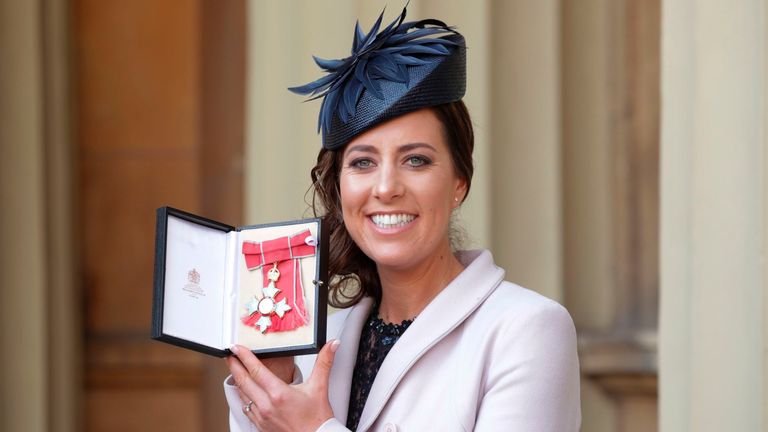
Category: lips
[392,220]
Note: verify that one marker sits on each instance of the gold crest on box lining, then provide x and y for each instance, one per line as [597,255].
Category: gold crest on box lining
[193,288]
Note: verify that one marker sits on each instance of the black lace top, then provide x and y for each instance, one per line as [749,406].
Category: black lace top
[376,339]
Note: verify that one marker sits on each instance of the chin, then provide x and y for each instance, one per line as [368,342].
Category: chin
[399,255]
[389,255]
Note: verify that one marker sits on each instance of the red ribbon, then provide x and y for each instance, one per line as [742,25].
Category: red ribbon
[286,252]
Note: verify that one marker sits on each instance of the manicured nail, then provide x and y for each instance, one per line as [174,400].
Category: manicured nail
[234,349]
[335,345]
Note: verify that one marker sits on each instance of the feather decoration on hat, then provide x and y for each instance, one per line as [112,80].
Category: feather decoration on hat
[384,55]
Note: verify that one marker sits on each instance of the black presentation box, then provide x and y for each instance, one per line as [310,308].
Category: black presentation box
[260,286]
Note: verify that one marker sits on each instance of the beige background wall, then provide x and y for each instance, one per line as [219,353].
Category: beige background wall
[39,303]
[22,183]
[714,233]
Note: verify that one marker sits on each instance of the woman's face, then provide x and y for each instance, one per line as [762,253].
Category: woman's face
[398,188]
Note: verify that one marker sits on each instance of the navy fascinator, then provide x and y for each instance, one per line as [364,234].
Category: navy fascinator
[405,67]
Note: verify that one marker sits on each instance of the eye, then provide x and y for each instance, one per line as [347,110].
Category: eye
[361,163]
[417,161]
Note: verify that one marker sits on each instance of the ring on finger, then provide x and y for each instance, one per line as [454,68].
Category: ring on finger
[247,407]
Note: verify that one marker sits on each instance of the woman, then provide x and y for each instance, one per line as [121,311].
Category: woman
[431,340]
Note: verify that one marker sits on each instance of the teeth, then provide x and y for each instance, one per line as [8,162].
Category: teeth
[392,220]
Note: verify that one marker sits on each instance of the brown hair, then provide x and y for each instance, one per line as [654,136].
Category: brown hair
[347,264]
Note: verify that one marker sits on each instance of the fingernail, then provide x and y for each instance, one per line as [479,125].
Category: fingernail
[234,349]
[335,345]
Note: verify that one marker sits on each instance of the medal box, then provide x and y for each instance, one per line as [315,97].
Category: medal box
[260,286]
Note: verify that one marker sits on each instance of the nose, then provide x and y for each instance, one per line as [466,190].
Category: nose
[388,184]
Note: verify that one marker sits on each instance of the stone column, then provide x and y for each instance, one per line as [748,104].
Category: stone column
[525,168]
[23,264]
[713,216]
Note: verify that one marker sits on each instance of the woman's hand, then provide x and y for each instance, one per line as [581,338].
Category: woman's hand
[277,406]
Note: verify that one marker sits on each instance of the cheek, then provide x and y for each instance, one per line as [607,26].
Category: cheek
[351,195]
[440,193]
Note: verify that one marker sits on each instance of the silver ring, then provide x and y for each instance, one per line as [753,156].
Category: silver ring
[247,407]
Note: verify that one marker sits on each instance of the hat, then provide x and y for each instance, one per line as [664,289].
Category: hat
[405,67]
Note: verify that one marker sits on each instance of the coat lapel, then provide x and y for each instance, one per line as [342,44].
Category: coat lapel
[461,297]
[346,357]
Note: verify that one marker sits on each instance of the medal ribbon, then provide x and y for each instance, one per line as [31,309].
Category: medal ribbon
[286,252]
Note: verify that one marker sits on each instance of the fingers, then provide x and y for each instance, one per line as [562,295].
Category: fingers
[275,403]
[246,387]
[323,364]
[259,373]
[252,412]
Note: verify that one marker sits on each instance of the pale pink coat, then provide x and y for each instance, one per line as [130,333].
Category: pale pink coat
[484,355]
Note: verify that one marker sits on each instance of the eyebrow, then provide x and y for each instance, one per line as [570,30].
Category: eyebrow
[367,148]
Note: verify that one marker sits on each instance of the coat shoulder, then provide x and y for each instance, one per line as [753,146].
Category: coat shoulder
[335,322]
[515,298]
[526,349]
[512,308]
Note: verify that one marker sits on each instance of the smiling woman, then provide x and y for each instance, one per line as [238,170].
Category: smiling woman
[447,127]
[401,171]
[429,338]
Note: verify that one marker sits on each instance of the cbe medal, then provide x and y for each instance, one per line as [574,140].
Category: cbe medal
[267,305]
[281,306]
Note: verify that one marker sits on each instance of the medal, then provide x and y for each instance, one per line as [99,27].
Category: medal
[281,306]
[267,306]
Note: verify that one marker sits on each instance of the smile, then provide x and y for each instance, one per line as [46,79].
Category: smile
[392,220]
